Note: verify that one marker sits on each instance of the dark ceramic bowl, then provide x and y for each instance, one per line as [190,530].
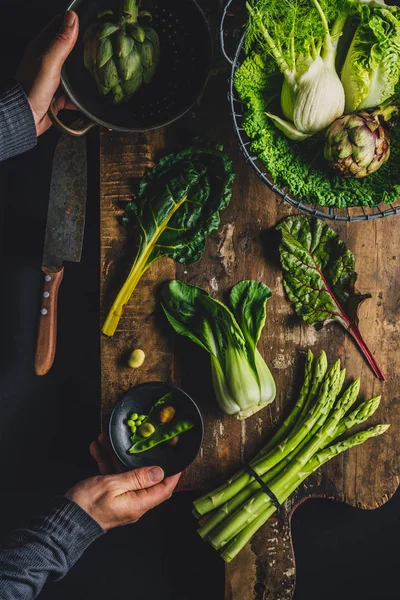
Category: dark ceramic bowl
[140,399]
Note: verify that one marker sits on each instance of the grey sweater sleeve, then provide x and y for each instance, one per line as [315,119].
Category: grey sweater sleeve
[46,550]
[17,125]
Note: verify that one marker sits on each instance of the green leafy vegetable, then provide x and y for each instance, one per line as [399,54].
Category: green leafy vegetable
[302,37]
[242,381]
[301,167]
[319,277]
[372,67]
[178,205]
[239,507]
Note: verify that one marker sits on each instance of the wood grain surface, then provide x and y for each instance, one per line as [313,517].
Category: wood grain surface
[246,246]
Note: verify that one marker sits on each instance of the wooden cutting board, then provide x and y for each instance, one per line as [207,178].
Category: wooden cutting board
[246,247]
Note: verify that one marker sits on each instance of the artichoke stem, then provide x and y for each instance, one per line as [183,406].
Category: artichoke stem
[130,10]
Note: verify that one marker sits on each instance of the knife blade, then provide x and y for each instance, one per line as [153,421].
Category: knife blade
[63,239]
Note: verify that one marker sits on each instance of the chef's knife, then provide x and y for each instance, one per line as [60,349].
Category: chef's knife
[64,237]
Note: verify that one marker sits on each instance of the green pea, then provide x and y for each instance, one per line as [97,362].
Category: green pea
[134,416]
[142,417]
[130,423]
[133,428]
[138,422]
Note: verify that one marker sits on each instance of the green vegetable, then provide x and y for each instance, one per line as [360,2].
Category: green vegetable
[178,205]
[133,428]
[239,507]
[151,432]
[242,381]
[301,167]
[302,37]
[120,54]
[134,417]
[136,359]
[319,278]
[372,67]
[358,145]
[130,423]
[163,433]
[146,429]
[237,543]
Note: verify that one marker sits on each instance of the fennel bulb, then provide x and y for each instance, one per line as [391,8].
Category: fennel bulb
[302,36]
[242,381]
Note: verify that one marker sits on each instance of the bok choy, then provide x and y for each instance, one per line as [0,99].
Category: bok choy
[242,382]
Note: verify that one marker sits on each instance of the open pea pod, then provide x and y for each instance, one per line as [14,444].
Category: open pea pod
[152,417]
[163,433]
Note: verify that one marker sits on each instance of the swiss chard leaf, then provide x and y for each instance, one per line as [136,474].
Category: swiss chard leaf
[319,277]
[178,205]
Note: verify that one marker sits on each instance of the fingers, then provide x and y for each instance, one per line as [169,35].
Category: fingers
[62,103]
[100,456]
[139,479]
[104,442]
[102,453]
[146,499]
[61,45]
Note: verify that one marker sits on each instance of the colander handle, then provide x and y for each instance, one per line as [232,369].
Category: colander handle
[64,128]
[221,32]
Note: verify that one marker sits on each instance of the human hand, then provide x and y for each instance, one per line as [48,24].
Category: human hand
[40,69]
[122,498]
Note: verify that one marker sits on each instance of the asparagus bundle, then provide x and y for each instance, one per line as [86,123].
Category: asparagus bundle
[306,440]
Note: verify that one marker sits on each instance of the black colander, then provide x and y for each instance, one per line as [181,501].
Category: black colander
[186,53]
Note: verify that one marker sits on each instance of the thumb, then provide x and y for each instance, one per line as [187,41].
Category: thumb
[139,479]
[62,44]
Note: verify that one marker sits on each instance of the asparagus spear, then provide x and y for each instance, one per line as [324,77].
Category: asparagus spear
[238,520]
[291,420]
[238,542]
[266,462]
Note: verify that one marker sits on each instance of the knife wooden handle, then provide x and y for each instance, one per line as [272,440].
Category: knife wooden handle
[47,331]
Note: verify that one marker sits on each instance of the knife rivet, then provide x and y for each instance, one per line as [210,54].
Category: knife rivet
[47,278]
[43,311]
[46,295]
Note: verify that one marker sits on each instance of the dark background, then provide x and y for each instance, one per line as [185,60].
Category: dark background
[46,424]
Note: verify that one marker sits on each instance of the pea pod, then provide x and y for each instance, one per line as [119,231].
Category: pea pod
[163,433]
[152,417]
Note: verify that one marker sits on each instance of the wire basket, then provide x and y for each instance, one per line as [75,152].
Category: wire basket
[356,213]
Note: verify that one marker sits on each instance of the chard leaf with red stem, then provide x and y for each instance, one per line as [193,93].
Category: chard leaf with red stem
[319,277]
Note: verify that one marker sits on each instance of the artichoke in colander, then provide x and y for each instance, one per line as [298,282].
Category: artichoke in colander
[357,145]
[120,53]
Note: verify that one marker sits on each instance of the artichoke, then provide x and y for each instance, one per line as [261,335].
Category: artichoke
[120,53]
[357,145]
